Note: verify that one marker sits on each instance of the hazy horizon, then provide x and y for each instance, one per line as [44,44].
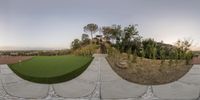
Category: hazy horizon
[53,24]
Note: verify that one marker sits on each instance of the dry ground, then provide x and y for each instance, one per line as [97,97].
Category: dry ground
[151,72]
[13,59]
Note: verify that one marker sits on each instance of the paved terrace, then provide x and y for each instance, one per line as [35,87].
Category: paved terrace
[99,81]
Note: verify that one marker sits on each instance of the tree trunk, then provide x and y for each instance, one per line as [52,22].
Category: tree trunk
[91,36]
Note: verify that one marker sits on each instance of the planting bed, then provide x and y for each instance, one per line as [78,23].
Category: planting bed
[149,71]
[13,59]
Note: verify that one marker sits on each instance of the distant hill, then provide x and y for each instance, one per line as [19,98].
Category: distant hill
[169,46]
[196,52]
[9,48]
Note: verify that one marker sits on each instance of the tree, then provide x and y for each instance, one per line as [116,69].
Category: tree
[130,32]
[116,32]
[149,46]
[176,55]
[136,45]
[76,44]
[186,44]
[106,30]
[84,37]
[142,52]
[112,32]
[172,56]
[183,47]
[189,56]
[154,51]
[91,28]
[162,55]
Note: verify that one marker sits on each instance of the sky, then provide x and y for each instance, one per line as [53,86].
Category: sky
[54,24]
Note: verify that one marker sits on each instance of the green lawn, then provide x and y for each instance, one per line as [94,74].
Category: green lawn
[51,69]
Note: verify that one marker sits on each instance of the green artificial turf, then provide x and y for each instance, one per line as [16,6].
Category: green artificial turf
[51,69]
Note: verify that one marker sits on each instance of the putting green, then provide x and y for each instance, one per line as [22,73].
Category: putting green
[51,69]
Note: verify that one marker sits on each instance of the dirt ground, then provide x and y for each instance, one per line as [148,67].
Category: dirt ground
[151,72]
[13,59]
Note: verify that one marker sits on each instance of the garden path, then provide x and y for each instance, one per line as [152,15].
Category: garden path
[99,81]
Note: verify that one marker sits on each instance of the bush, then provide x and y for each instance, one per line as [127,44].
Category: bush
[87,50]
[189,56]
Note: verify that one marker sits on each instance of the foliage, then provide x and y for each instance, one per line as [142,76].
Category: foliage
[112,52]
[106,30]
[189,56]
[85,42]
[183,48]
[87,50]
[134,58]
[76,44]
[84,37]
[130,32]
[129,41]
[162,55]
[149,46]
[142,53]
[112,32]
[91,28]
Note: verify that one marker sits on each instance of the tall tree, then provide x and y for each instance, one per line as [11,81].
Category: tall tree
[84,37]
[149,46]
[91,28]
[130,32]
[76,44]
[112,32]
[183,47]
[106,30]
[116,32]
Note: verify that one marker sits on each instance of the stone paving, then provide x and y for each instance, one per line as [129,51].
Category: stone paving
[114,87]
[99,81]
[186,88]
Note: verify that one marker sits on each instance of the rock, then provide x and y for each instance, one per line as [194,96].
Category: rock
[124,56]
[122,64]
